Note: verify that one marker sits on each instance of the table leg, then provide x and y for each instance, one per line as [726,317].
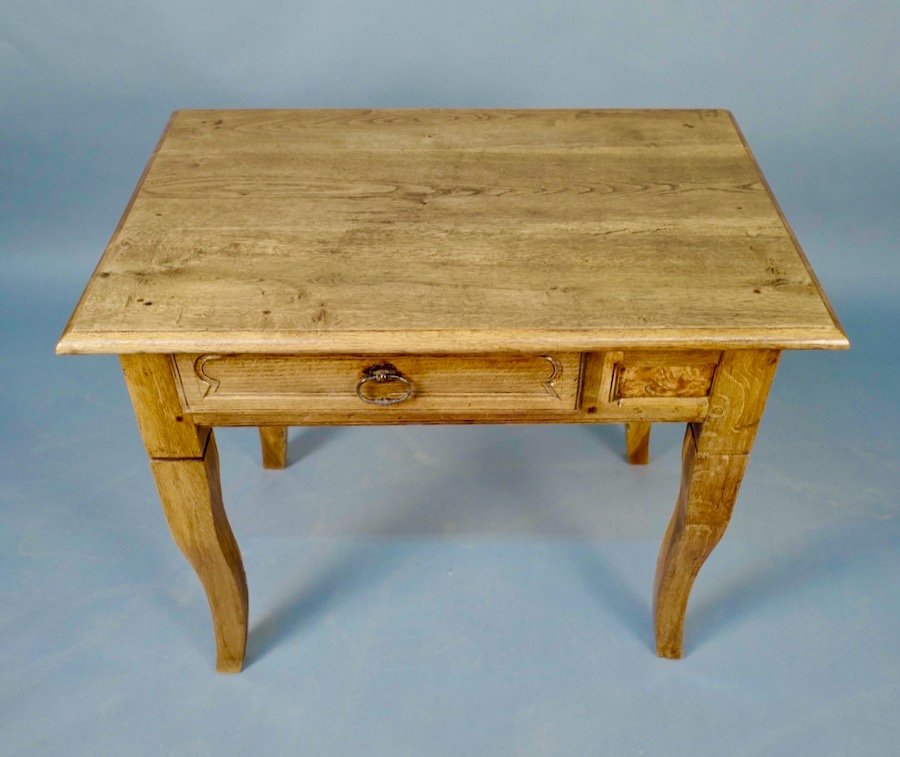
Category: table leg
[185,464]
[192,502]
[714,457]
[637,442]
[273,440]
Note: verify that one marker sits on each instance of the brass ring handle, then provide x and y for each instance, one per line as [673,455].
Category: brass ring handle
[383,374]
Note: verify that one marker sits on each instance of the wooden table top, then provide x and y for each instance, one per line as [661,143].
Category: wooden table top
[449,231]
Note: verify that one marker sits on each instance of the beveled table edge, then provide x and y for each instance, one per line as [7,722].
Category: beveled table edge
[446,341]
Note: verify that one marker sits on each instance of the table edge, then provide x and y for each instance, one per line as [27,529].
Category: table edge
[448,341]
[787,226]
[73,341]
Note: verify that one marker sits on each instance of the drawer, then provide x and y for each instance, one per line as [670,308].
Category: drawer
[662,385]
[379,385]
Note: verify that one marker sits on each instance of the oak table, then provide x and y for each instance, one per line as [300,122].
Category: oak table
[305,267]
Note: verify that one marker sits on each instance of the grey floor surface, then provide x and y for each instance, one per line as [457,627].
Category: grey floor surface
[454,590]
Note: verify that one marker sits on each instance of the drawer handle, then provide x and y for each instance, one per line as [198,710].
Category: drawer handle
[384,373]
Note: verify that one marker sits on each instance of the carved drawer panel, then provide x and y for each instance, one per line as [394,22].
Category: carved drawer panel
[654,374]
[379,384]
[662,385]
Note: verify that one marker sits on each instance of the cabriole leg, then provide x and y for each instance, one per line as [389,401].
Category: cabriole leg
[714,457]
[192,502]
[185,464]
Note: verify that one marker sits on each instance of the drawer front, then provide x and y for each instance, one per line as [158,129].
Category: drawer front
[379,384]
[659,385]
[638,375]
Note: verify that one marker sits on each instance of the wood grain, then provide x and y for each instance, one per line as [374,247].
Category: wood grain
[666,412]
[659,381]
[637,442]
[709,487]
[185,464]
[167,430]
[514,266]
[328,383]
[661,399]
[273,441]
[677,373]
[450,231]
[192,502]
[739,393]
[714,457]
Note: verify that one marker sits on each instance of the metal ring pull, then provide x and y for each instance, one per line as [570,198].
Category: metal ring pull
[384,373]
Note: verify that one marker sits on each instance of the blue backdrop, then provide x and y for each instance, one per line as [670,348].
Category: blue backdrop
[459,591]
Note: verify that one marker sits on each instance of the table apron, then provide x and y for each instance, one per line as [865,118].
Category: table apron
[295,390]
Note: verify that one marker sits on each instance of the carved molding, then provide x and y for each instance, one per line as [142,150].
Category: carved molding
[207,383]
[554,376]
